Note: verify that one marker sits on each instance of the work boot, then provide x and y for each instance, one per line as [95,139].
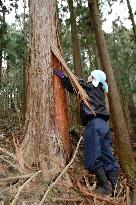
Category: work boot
[104,186]
[113,178]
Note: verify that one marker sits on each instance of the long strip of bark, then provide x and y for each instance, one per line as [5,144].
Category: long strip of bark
[61,174]
[74,80]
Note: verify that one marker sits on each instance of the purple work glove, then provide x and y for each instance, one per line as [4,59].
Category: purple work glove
[59,73]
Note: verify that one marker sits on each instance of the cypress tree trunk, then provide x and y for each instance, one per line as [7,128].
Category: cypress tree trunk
[24,66]
[46,143]
[75,41]
[3,31]
[120,127]
[131,16]
[76,54]
[97,61]
[0,66]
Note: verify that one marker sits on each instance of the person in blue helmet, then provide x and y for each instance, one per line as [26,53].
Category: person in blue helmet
[98,156]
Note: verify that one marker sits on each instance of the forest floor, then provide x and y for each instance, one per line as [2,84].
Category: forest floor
[82,191]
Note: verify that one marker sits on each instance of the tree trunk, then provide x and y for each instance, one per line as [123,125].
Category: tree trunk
[24,66]
[97,60]
[2,33]
[120,128]
[132,84]
[126,97]
[46,143]
[75,41]
[0,67]
[76,54]
[131,16]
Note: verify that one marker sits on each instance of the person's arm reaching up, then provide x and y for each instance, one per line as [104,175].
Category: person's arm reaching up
[64,80]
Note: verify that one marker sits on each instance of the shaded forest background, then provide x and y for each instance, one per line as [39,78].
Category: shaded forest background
[14,57]
[78,46]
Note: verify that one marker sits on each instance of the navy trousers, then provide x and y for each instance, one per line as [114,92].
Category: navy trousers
[97,146]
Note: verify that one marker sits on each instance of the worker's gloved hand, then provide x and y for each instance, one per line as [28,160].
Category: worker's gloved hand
[59,73]
[81,81]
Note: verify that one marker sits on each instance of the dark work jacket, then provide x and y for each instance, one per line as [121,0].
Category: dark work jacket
[97,100]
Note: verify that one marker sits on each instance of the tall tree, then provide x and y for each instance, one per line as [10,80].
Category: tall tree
[24,62]
[47,135]
[3,29]
[75,41]
[120,127]
[131,16]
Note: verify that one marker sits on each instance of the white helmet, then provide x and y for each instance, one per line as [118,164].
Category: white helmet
[99,77]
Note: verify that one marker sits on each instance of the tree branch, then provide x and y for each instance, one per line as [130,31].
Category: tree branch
[14,202]
[8,153]
[5,160]
[15,178]
[60,175]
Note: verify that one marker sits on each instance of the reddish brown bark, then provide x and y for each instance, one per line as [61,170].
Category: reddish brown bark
[61,110]
[46,142]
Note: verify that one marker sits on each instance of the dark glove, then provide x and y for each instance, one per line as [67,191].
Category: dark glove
[81,81]
[59,73]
